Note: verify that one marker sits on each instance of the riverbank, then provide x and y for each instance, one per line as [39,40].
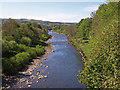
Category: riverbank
[84,58]
[9,81]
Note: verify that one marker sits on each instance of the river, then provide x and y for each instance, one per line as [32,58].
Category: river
[59,68]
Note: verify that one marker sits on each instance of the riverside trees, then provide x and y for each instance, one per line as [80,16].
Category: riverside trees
[102,48]
[20,44]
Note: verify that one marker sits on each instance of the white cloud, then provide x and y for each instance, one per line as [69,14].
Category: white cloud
[91,8]
[60,17]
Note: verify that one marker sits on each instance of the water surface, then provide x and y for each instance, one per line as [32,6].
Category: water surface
[63,64]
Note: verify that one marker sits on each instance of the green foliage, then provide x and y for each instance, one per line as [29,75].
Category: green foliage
[84,27]
[102,68]
[26,41]
[9,48]
[21,43]
[29,25]
[15,63]
[40,50]
[102,48]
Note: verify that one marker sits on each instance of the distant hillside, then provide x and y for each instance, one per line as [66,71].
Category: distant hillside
[45,24]
[39,22]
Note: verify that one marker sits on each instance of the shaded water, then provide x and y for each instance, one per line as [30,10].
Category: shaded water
[63,64]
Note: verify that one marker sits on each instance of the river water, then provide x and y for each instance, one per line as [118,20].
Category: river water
[62,65]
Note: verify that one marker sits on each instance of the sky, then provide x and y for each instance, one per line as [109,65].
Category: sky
[48,11]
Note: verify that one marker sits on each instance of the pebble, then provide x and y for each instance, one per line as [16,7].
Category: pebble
[53,51]
[29,85]
[27,82]
[32,76]
[41,65]
[2,88]
[45,58]
[8,87]
[46,66]
[35,67]
[39,77]
[38,72]
[24,80]
[28,74]
[45,76]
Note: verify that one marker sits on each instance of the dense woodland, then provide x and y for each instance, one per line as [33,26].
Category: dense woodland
[20,44]
[99,38]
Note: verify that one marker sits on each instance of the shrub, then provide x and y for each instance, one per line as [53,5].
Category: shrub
[40,50]
[32,52]
[7,66]
[14,64]
[9,48]
[26,41]
[19,44]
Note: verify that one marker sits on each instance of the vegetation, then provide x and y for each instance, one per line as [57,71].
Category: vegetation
[43,24]
[99,38]
[20,44]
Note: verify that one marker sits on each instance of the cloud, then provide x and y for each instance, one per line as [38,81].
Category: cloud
[60,17]
[91,8]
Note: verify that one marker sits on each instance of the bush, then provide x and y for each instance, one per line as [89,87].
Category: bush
[7,66]
[9,48]
[102,68]
[14,64]
[40,50]
[22,48]
[5,48]
[19,44]
[32,52]
[26,41]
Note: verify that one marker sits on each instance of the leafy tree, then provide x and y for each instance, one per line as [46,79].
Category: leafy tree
[26,41]
[20,44]
[102,65]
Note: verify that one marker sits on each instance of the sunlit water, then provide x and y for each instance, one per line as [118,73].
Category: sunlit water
[63,64]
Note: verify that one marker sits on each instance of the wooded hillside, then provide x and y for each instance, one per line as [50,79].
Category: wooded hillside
[99,38]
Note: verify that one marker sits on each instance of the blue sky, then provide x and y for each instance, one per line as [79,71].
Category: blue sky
[49,11]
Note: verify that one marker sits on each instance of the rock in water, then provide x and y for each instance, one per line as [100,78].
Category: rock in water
[38,72]
[53,51]
[45,58]
[41,65]
[45,76]
[46,66]
[29,85]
